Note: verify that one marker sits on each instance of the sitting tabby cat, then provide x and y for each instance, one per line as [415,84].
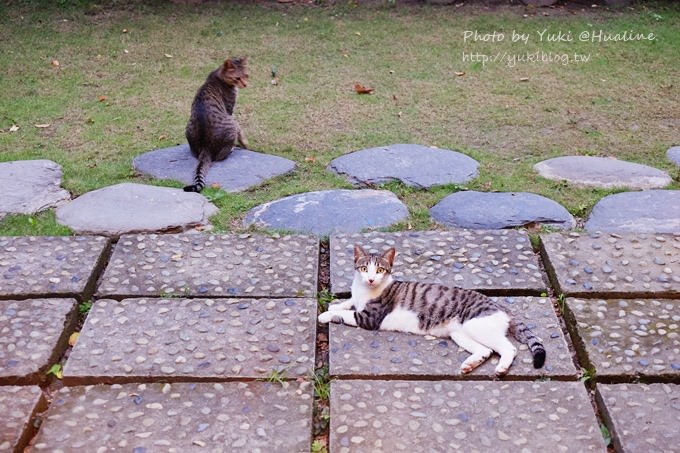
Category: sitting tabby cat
[212,129]
[471,319]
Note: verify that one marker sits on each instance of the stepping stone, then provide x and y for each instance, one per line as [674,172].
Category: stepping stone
[673,155]
[359,353]
[135,208]
[30,186]
[234,416]
[650,211]
[629,338]
[498,262]
[201,265]
[414,165]
[613,265]
[330,211]
[491,210]
[446,416]
[19,406]
[193,339]
[602,172]
[240,171]
[33,335]
[43,266]
[642,417]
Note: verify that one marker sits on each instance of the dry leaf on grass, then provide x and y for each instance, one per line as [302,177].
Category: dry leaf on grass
[42,126]
[459,73]
[360,89]
[14,128]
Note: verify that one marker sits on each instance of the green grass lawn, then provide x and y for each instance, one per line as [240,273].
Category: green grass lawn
[127,73]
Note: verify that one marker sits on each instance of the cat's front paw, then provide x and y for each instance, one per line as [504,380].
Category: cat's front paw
[340,305]
[329,316]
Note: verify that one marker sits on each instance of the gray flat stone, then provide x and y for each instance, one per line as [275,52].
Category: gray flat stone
[330,211]
[361,353]
[471,416]
[240,171]
[613,265]
[202,265]
[673,155]
[633,337]
[29,186]
[414,165]
[135,208]
[491,210]
[650,211]
[644,418]
[602,172]
[495,261]
[255,417]
[193,340]
[19,404]
[32,337]
[43,266]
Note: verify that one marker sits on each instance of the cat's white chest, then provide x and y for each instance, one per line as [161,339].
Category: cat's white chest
[402,320]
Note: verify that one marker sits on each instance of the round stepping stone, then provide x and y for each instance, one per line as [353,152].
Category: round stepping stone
[483,210]
[602,172]
[241,170]
[651,211]
[135,208]
[330,211]
[29,186]
[414,165]
[673,155]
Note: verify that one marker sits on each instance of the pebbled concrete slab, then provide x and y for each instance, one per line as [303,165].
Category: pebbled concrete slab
[643,417]
[135,208]
[19,405]
[414,165]
[359,353]
[494,261]
[495,210]
[329,211]
[30,186]
[44,266]
[33,334]
[624,339]
[242,170]
[201,265]
[386,416]
[673,155]
[602,172]
[613,265]
[193,339]
[650,211]
[239,417]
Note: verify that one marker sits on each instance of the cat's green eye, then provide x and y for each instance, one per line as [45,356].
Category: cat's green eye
[363,269]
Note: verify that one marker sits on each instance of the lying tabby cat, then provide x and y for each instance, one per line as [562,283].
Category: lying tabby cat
[212,130]
[474,321]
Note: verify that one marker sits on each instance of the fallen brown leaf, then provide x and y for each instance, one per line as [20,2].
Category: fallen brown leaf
[459,73]
[102,98]
[42,126]
[310,159]
[73,338]
[55,63]
[360,89]
[524,79]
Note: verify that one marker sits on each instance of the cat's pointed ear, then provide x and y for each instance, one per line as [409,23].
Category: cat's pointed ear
[389,255]
[227,64]
[358,252]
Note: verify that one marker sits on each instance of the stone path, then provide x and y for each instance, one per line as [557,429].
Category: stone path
[673,155]
[650,211]
[186,329]
[30,186]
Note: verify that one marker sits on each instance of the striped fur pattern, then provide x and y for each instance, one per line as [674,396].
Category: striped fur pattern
[212,130]
[474,321]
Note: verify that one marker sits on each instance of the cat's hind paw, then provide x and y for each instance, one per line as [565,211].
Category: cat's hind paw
[502,370]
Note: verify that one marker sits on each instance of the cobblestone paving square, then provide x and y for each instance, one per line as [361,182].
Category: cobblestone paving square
[492,261]
[193,339]
[634,337]
[358,352]
[644,417]
[203,265]
[32,332]
[17,403]
[470,416]
[215,417]
[48,266]
[614,265]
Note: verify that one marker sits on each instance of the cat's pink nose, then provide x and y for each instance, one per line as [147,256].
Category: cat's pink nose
[370,281]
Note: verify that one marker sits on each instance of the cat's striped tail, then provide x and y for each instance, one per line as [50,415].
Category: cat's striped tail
[199,178]
[523,334]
